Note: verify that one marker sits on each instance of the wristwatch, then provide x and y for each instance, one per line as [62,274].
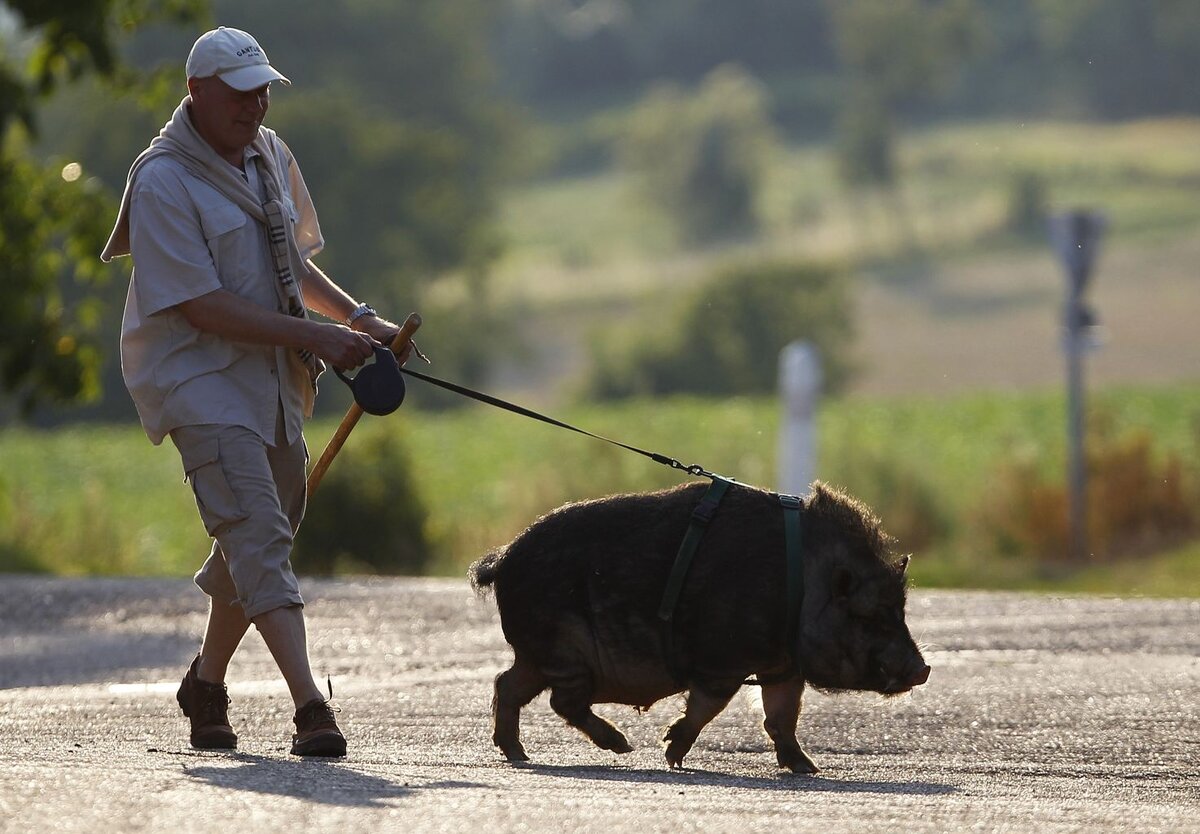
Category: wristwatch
[360,311]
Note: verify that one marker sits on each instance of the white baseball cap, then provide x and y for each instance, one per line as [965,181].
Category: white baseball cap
[234,56]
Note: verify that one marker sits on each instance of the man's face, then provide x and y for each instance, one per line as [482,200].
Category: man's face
[228,119]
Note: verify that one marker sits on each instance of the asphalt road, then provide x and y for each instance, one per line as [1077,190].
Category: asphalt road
[1042,714]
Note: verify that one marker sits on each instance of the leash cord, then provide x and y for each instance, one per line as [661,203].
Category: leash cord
[691,469]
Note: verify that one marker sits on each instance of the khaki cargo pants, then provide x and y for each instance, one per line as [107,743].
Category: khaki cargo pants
[251,497]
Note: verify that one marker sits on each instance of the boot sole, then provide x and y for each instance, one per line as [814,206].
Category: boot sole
[215,742]
[329,746]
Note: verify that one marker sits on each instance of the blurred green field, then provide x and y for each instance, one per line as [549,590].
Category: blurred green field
[102,500]
[950,299]
[955,185]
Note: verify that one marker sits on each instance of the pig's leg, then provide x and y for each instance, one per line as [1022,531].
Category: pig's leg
[515,688]
[572,699]
[781,705]
[701,708]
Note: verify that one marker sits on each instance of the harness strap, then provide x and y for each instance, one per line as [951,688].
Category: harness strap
[792,505]
[701,517]
[795,563]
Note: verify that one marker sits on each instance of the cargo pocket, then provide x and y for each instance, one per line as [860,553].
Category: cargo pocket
[218,506]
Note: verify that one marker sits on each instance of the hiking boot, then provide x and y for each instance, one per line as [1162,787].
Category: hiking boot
[317,732]
[207,705]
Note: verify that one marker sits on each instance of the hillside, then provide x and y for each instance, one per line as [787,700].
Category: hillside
[961,303]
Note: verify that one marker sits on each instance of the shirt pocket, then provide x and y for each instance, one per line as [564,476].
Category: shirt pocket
[219,507]
[231,245]
[220,219]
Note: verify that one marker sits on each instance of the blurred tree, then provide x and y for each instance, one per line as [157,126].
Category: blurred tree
[394,119]
[1123,57]
[866,141]
[702,157]
[895,52]
[52,219]
[370,517]
[556,52]
[1078,57]
[725,337]
[1028,204]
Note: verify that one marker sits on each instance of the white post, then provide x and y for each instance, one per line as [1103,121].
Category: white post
[799,387]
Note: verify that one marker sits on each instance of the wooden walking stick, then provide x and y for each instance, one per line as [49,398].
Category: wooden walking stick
[348,423]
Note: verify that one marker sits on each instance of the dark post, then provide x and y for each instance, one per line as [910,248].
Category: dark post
[1076,236]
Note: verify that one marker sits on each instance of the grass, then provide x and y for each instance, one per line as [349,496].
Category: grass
[95,500]
[101,500]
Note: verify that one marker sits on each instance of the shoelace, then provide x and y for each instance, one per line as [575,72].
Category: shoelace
[315,714]
[318,712]
[329,680]
[214,706]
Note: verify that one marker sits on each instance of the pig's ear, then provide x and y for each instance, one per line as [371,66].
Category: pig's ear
[842,583]
[902,564]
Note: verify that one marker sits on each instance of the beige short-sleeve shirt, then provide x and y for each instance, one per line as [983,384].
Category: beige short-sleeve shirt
[187,240]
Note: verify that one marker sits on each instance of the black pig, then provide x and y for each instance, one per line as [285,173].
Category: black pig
[579,592]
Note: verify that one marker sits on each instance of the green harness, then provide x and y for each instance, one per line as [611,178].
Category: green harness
[702,516]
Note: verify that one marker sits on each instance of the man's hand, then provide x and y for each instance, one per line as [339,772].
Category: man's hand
[383,331]
[340,346]
[327,298]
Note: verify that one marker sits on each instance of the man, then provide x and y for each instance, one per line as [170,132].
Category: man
[219,354]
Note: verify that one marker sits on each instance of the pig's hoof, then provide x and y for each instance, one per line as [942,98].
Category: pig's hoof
[797,761]
[605,735]
[675,752]
[515,753]
[615,741]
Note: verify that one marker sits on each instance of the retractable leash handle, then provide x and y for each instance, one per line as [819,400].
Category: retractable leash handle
[379,387]
[399,343]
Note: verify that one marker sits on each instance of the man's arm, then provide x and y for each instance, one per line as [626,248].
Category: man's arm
[226,315]
[327,298]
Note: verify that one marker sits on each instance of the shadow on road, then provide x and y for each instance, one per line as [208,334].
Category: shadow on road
[315,780]
[89,657]
[783,782]
[56,632]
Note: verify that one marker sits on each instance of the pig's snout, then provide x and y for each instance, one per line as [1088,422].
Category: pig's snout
[900,684]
